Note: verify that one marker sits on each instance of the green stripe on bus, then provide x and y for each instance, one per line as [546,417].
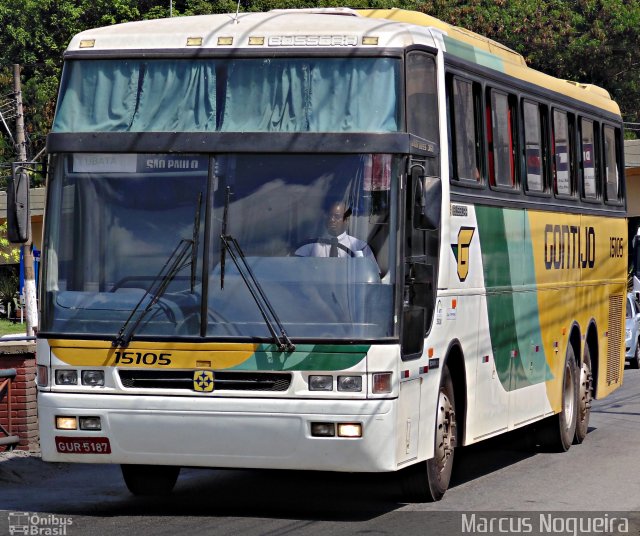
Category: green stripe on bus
[514,324]
[305,357]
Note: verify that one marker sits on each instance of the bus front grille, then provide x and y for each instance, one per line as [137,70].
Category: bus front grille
[223,381]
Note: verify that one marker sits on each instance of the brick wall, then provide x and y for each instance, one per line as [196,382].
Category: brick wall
[21,356]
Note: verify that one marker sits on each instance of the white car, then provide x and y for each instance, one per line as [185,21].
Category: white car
[632,331]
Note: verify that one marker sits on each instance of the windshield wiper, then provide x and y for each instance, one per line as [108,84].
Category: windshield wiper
[178,259]
[230,244]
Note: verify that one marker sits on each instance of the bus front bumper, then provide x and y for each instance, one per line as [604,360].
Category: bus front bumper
[219,432]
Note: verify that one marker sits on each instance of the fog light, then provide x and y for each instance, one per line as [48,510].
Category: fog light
[323,429]
[90,423]
[352,384]
[381,383]
[93,377]
[349,429]
[66,423]
[320,383]
[66,377]
[42,376]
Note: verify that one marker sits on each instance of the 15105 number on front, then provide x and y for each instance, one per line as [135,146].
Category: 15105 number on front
[142,358]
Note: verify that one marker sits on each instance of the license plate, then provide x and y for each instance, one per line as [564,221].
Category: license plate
[83,445]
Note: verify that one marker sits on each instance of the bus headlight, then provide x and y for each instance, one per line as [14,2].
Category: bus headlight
[90,423]
[94,378]
[66,377]
[352,384]
[320,383]
[349,429]
[66,423]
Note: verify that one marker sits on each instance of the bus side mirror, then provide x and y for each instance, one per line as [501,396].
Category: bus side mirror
[18,224]
[427,200]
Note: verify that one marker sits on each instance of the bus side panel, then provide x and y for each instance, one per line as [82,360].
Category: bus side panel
[579,282]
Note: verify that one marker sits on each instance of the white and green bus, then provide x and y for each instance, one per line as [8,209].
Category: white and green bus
[184,319]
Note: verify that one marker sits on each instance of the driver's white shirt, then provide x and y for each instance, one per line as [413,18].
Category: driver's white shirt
[321,249]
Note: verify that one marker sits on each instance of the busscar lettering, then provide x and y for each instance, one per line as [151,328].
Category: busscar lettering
[567,247]
[142,358]
[312,40]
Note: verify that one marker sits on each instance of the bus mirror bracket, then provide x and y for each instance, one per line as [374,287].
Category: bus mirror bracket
[18,217]
[427,200]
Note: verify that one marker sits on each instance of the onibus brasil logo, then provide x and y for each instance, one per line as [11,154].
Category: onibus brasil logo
[38,524]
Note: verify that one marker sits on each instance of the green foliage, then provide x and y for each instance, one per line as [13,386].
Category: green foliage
[592,41]
[8,252]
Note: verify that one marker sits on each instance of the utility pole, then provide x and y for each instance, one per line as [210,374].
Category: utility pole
[30,301]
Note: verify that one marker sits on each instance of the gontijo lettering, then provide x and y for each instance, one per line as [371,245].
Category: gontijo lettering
[569,246]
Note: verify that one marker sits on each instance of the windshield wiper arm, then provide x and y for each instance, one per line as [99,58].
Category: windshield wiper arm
[282,341]
[230,244]
[174,264]
[195,242]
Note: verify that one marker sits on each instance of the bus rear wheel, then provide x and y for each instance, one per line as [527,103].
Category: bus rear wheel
[557,432]
[428,481]
[150,479]
[585,396]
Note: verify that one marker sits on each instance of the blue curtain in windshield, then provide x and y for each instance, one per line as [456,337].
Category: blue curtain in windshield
[251,95]
[134,96]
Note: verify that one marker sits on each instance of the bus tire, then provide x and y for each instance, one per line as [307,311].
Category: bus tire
[557,432]
[585,396]
[429,480]
[150,479]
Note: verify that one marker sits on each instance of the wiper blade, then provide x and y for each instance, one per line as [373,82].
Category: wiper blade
[282,341]
[195,242]
[175,263]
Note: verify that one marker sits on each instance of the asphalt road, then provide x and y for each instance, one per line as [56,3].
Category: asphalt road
[596,482]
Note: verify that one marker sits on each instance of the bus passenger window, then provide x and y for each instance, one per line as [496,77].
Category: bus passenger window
[611,164]
[502,136]
[533,147]
[466,126]
[589,160]
[562,180]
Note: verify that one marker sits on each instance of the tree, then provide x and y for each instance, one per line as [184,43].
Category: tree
[589,41]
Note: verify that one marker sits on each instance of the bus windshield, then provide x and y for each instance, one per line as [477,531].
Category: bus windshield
[239,95]
[315,231]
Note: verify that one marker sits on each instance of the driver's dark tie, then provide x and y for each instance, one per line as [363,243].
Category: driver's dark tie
[333,252]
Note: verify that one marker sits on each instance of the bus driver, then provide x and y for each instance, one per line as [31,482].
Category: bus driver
[337,243]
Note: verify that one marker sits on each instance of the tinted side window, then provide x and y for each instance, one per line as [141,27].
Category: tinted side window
[466,130]
[562,151]
[533,147]
[502,170]
[588,152]
[612,174]
[422,105]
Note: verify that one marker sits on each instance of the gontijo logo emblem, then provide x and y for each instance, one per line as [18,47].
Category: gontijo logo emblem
[203,381]
[461,251]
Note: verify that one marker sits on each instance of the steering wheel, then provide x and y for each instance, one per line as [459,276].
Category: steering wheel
[324,241]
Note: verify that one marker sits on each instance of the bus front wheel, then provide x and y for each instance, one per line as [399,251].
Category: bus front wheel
[150,479]
[428,481]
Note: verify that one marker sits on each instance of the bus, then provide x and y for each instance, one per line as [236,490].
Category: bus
[195,166]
